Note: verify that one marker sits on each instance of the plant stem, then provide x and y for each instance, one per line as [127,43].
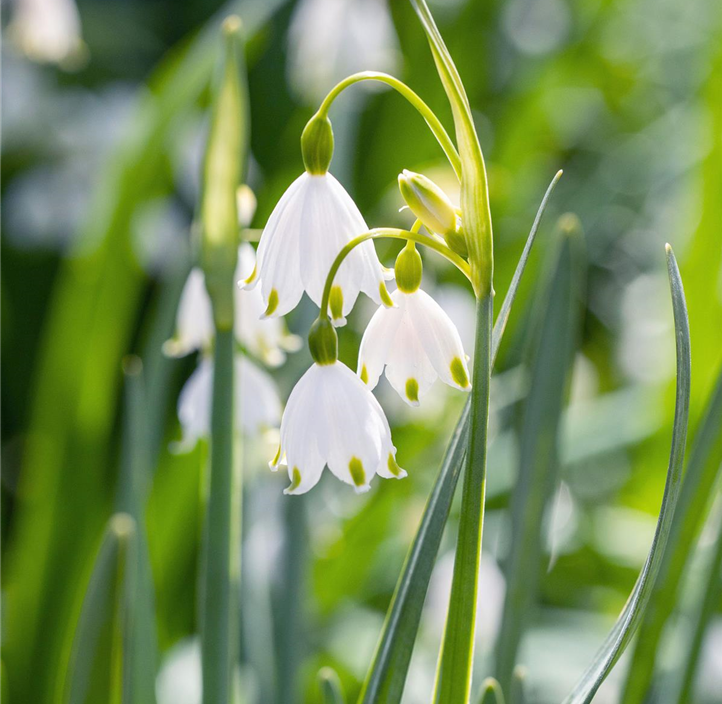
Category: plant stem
[221,576]
[394,234]
[453,679]
[422,108]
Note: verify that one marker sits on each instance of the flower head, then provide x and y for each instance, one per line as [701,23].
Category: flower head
[48,31]
[312,222]
[268,340]
[416,342]
[256,405]
[333,419]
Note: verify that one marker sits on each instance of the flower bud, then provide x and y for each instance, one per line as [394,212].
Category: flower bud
[317,145]
[407,269]
[323,341]
[431,205]
[222,170]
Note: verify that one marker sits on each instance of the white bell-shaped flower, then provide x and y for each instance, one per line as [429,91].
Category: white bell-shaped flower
[307,229]
[257,406]
[47,31]
[268,340]
[333,419]
[416,342]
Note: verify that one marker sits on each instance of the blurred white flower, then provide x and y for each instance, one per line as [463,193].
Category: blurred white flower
[416,342]
[47,31]
[268,339]
[308,227]
[330,39]
[333,419]
[257,406]
[180,680]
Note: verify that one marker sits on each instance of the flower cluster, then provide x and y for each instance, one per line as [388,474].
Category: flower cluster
[317,241]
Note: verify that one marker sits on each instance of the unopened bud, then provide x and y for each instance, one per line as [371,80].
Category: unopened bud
[433,208]
[317,145]
[323,341]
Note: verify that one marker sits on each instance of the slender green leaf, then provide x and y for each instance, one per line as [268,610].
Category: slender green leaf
[702,471]
[491,692]
[97,666]
[141,646]
[703,616]
[620,635]
[554,344]
[330,686]
[387,673]
[385,681]
[503,317]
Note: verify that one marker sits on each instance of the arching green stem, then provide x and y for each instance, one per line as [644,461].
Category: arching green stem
[393,234]
[424,110]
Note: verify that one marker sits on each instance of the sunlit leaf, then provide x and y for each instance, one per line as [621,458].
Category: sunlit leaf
[622,632]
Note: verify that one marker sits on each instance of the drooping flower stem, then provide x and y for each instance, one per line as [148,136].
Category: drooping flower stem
[423,109]
[221,573]
[394,234]
[454,671]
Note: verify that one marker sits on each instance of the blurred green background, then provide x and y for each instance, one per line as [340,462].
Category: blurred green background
[100,169]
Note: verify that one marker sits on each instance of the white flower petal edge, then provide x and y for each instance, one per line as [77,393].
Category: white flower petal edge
[194,319]
[307,229]
[416,342]
[256,404]
[267,339]
[333,419]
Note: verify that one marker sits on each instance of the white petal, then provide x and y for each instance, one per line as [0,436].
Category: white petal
[408,368]
[194,319]
[267,339]
[379,334]
[440,339]
[302,432]
[194,405]
[359,434]
[278,252]
[257,404]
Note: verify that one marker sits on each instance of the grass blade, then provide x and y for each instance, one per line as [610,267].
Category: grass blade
[141,646]
[626,624]
[553,344]
[385,681]
[702,470]
[330,686]
[704,614]
[97,666]
[387,673]
[491,692]
[505,310]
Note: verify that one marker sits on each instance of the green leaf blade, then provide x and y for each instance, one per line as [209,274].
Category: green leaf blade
[554,343]
[703,468]
[623,630]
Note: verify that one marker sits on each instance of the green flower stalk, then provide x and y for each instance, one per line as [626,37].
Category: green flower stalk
[220,579]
